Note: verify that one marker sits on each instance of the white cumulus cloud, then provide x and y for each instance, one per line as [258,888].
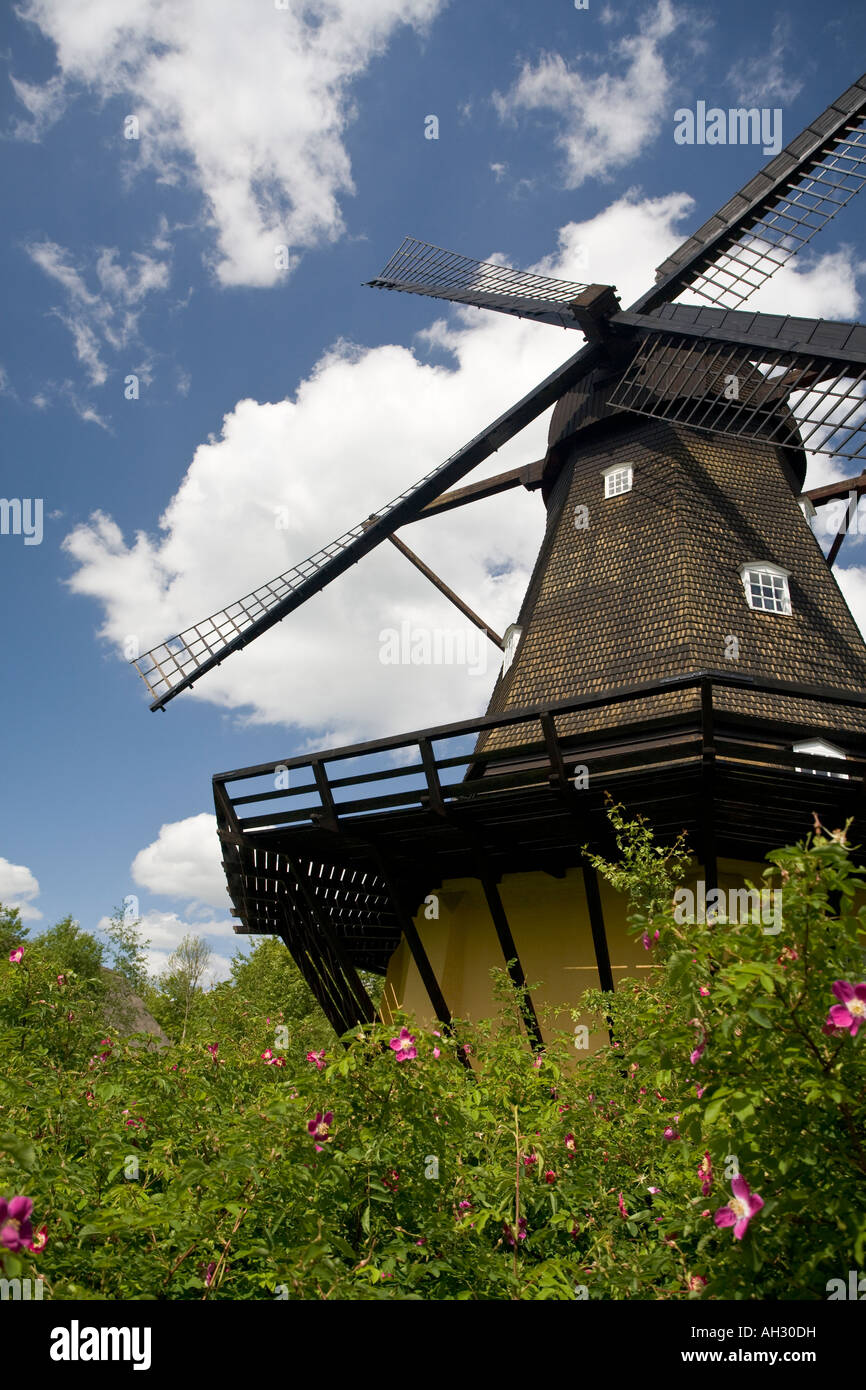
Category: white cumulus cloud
[246,102]
[604,120]
[17,887]
[185,862]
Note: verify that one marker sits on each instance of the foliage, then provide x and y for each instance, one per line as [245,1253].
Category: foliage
[234,1165]
[128,950]
[12,930]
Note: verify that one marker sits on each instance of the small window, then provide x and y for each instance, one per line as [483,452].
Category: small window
[821,749]
[511,640]
[617,480]
[766,587]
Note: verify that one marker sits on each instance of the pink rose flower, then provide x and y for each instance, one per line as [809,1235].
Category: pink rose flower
[404,1046]
[850,1013]
[741,1208]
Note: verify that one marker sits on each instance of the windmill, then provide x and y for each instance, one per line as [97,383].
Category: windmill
[683,643]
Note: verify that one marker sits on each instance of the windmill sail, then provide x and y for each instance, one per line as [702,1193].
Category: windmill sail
[775,214]
[174,665]
[790,381]
[420,268]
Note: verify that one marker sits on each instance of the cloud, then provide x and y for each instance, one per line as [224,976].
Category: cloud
[246,103]
[17,886]
[603,122]
[852,582]
[767,77]
[44,104]
[185,862]
[106,317]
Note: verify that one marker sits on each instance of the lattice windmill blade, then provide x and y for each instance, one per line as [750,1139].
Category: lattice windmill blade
[798,382]
[417,267]
[775,214]
[176,664]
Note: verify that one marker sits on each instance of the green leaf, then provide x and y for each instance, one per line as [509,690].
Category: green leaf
[21,1151]
[760,1018]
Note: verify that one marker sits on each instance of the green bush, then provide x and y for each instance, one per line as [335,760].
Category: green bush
[230,1166]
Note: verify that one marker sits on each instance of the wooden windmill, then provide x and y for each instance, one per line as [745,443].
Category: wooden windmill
[683,643]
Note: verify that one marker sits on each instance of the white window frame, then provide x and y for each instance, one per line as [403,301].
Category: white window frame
[821,748]
[511,641]
[776,573]
[610,474]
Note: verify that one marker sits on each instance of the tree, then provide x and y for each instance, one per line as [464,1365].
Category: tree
[13,932]
[71,948]
[182,979]
[128,950]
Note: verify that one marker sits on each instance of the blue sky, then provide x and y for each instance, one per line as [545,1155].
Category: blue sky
[263,389]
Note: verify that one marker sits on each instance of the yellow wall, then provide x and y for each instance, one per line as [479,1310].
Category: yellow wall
[549,921]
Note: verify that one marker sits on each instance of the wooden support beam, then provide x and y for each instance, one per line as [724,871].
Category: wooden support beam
[431,772]
[448,592]
[832,491]
[847,520]
[528,476]
[596,923]
[512,959]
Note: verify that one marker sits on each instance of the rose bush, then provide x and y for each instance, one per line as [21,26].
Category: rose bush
[714,1149]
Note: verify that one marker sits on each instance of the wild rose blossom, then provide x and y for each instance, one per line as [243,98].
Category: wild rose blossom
[16,1229]
[529,1159]
[570,1143]
[509,1233]
[741,1208]
[317,1059]
[404,1046]
[696,1282]
[705,1173]
[702,1042]
[550,1176]
[670,1133]
[16,955]
[320,1128]
[645,940]
[850,1013]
